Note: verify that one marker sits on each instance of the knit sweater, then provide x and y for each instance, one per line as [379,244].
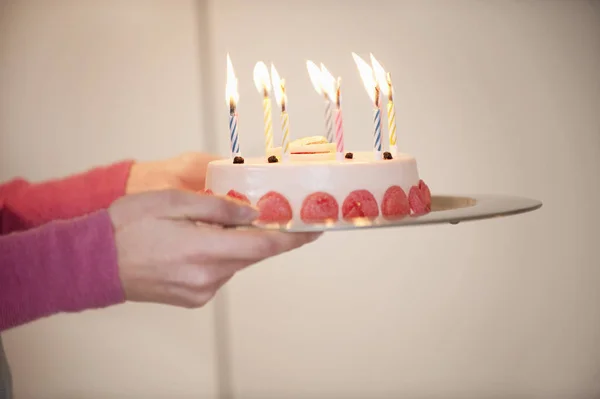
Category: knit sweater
[57,249]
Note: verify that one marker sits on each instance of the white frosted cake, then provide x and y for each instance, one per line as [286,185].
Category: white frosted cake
[316,187]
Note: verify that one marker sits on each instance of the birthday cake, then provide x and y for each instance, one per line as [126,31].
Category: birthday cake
[313,179]
[316,187]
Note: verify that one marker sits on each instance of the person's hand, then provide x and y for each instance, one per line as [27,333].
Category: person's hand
[173,248]
[184,172]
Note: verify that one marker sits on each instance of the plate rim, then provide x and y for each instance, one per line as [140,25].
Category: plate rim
[483,208]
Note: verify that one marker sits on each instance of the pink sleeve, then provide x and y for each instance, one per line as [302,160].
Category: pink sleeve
[63,266]
[65,261]
[24,205]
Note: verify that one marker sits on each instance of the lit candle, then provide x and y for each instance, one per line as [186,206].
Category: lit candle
[281,98]
[232,98]
[385,82]
[316,78]
[372,87]
[339,127]
[261,80]
[332,88]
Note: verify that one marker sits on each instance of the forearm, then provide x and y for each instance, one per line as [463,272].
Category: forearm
[28,205]
[63,266]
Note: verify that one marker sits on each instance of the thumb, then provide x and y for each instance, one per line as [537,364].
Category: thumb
[213,209]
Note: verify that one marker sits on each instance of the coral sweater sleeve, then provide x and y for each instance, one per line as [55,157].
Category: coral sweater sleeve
[57,250]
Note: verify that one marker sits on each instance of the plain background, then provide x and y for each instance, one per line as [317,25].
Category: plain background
[493,96]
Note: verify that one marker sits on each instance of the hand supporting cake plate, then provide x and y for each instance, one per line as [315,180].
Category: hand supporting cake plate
[444,209]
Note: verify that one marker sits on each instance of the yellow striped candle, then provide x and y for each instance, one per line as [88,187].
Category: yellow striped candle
[281,98]
[268,123]
[285,129]
[263,85]
[391,116]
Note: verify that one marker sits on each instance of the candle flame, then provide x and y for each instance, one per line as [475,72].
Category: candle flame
[278,88]
[368,78]
[328,83]
[315,76]
[261,78]
[380,75]
[338,91]
[231,87]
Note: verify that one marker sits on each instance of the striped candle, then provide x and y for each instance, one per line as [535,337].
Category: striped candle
[339,133]
[285,130]
[339,128]
[232,98]
[233,133]
[329,119]
[391,115]
[377,133]
[268,123]
[377,124]
[392,126]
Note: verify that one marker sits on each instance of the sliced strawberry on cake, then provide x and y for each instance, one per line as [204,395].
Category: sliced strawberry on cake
[395,203]
[238,196]
[274,207]
[319,207]
[418,206]
[425,193]
[360,203]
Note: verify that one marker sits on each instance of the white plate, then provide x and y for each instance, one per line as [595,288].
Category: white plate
[444,209]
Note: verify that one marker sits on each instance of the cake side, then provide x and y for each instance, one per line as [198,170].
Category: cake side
[355,187]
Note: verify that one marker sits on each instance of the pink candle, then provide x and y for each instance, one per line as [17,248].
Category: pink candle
[339,127]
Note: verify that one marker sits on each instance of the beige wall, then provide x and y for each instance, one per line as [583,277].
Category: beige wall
[89,82]
[494,97]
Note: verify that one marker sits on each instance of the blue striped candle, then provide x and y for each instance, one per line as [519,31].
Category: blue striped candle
[377,133]
[235,142]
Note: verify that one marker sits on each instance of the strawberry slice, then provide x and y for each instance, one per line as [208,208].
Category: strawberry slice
[238,196]
[417,202]
[207,191]
[425,193]
[319,207]
[274,207]
[360,203]
[395,203]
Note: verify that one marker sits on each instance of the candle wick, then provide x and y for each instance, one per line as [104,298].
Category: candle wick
[377,96]
[231,107]
[282,85]
[265,92]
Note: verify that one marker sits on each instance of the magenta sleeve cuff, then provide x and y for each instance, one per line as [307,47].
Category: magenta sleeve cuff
[62,266]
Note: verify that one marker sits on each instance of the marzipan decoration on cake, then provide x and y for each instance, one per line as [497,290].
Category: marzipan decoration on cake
[320,207]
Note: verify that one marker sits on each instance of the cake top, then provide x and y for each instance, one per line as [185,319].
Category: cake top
[378,85]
